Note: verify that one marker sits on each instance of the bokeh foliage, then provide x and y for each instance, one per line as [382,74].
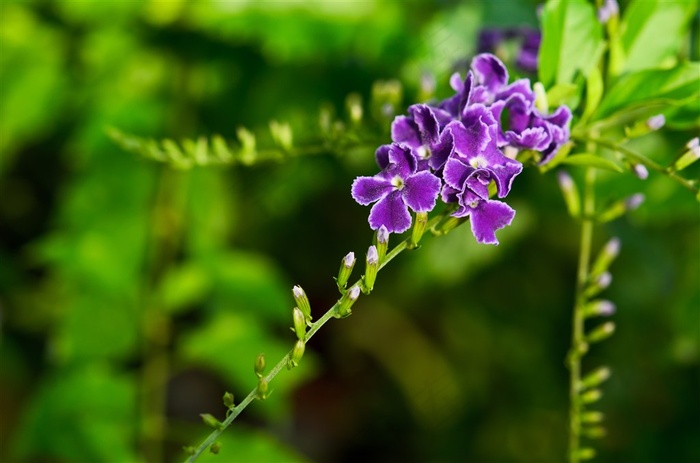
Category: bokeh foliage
[456,356]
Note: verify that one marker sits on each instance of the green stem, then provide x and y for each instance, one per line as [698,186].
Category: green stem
[578,345]
[639,158]
[235,411]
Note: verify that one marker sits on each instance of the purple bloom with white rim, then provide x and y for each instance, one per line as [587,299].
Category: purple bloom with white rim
[398,187]
[485,215]
[420,131]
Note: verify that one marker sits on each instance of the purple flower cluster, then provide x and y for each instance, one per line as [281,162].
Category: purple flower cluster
[491,39]
[453,149]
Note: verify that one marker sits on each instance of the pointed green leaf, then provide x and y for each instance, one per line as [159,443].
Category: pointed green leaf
[592,160]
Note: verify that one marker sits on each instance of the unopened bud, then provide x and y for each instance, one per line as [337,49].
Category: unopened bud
[594,432]
[346,266]
[260,365]
[189,450]
[598,284]
[607,255]
[541,97]
[418,228]
[382,242]
[585,453]
[601,332]
[656,122]
[634,201]
[371,269]
[215,448]
[262,390]
[302,302]
[640,171]
[299,323]
[209,420]
[592,417]
[281,134]
[595,378]
[570,193]
[297,354]
[589,397]
[228,400]
[618,208]
[690,156]
[599,307]
[353,104]
[347,301]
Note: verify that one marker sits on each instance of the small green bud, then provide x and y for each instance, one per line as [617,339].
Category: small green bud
[387,95]
[382,242]
[209,420]
[418,228]
[585,453]
[297,354]
[371,269]
[302,302]
[598,284]
[644,127]
[601,332]
[260,365]
[570,193]
[263,388]
[189,450]
[346,302]
[299,323]
[594,432]
[353,104]
[448,224]
[606,257]
[618,208]
[541,98]
[592,396]
[228,400]
[346,266]
[690,156]
[281,134]
[595,378]
[592,417]
[215,448]
[248,150]
[599,307]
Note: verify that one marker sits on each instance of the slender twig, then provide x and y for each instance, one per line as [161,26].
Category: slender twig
[639,158]
[578,345]
[235,411]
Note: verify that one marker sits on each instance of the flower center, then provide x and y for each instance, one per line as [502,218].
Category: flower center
[477,162]
[423,152]
[397,182]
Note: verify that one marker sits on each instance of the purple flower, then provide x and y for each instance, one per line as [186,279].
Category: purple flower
[396,188]
[420,132]
[490,40]
[527,57]
[609,9]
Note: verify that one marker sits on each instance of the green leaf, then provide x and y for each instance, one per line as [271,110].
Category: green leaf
[653,32]
[572,41]
[80,414]
[183,286]
[592,160]
[654,89]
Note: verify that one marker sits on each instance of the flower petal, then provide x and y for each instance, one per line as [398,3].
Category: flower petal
[490,72]
[405,130]
[366,190]
[420,191]
[426,122]
[402,162]
[391,212]
[382,156]
[456,173]
[487,217]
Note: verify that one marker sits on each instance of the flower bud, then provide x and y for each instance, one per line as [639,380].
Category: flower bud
[541,97]
[592,417]
[262,390]
[570,193]
[189,450]
[215,448]
[640,171]
[594,432]
[371,269]
[618,208]
[228,400]
[595,378]
[302,302]
[591,396]
[260,365]
[347,301]
[346,266]
[598,284]
[382,242]
[299,323]
[607,11]
[601,332]
[656,122]
[585,453]
[599,307]
[297,354]
[606,257]
[209,420]
[353,104]
[281,134]
[690,156]
[418,228]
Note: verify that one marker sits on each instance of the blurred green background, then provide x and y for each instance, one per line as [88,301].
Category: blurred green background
[133,295]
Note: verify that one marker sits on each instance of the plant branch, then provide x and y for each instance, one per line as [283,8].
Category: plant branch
[315,327]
